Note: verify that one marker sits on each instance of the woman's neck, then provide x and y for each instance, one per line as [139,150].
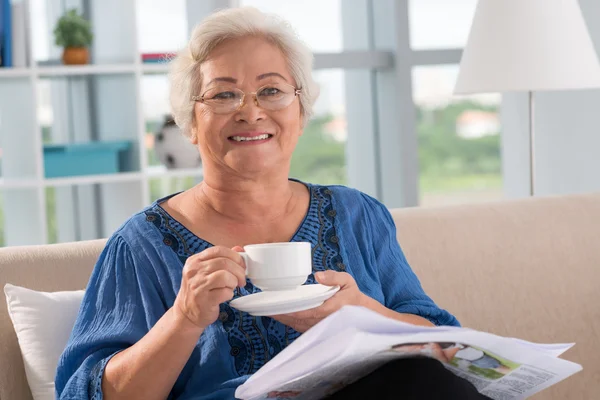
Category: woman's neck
[244,200]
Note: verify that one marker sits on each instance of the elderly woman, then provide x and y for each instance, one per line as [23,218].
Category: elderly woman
[155,322]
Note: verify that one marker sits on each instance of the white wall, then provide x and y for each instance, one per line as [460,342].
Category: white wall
[567,126]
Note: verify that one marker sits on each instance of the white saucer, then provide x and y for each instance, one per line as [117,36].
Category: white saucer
[284,301]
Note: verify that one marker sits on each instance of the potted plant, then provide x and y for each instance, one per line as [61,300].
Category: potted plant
[74,33]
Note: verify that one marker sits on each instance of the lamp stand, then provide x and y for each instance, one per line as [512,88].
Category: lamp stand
[531,145]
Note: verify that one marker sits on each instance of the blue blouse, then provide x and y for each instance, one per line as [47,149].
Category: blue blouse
[138,275]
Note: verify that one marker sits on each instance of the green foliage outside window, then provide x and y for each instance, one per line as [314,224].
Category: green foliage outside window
[318,157]
[51,215]
[450,163]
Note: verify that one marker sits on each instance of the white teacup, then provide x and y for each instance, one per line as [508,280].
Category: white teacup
[278,266]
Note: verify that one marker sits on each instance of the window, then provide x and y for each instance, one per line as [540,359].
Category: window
[459,140]
[90,211]
[438,24]
[51,222]
[162,187]
[40,29]
[161,25]
[320,154]
[1,221]
[321,30]
[45,111]
[155,104]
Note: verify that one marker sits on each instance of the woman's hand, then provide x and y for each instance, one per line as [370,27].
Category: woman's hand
[349,294]
[209,279]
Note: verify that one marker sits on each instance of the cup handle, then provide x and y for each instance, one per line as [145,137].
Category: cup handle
[246,259]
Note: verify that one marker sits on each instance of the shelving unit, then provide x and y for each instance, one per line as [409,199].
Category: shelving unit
[92,179]
[75,70]
[7,73]
[155,68]
[18,184]
[160,171]
[77,104]
[79,70]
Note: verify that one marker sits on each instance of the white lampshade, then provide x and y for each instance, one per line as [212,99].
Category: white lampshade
[528,45]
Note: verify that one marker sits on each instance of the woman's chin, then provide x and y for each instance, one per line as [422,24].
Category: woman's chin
[255,168]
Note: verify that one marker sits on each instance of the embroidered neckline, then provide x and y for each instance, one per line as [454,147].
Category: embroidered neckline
[179,227]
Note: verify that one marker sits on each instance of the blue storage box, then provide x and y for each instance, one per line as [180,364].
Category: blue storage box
[92,158]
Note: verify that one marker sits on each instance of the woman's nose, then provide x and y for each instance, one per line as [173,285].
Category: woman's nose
[250,111]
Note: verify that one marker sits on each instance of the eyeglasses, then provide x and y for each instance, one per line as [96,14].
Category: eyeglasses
[228,99]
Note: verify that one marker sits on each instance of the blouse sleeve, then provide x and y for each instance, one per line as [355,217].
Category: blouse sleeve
[401,288]
[120,305]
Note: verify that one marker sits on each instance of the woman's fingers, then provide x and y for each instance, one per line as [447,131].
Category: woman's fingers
[221,280]
[209,279]
[219,252]
[225,264]
[349,294]
[221,295]
[334,278]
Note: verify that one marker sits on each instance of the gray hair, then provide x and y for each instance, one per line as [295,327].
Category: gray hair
[184,71]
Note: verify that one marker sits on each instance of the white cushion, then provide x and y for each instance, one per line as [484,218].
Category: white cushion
[43,323]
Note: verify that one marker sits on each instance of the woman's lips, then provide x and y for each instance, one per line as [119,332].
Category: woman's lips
[248,138]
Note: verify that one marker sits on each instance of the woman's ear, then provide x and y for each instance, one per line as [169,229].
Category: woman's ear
[194,129]
[193,133]
[302,122]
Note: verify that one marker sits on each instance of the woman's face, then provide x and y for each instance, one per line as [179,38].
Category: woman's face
[247,64]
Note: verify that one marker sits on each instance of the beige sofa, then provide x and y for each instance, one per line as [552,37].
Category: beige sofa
[524,268]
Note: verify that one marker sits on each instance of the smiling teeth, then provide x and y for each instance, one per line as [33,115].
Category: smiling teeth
[245,139]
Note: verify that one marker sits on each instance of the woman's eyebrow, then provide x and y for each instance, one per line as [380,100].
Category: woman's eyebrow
[268,74]
[223,79]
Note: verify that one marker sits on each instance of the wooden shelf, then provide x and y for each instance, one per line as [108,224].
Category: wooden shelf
[162,68]
[15,73]
[151,172]
[75,70]
[92,179]
[161,171]
[13,183]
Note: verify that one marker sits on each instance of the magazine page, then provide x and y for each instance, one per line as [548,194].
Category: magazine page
[501,368]
[327,380]
[498,367]
[349,317]
[319,371]
[554,349]
[517,374]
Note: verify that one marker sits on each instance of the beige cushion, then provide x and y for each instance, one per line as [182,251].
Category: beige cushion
[44,268]
[528,269]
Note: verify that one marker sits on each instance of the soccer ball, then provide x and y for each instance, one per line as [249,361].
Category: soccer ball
[173,149]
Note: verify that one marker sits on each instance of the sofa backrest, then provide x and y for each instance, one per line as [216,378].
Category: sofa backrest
[523,268]
[526,268]
[47,268]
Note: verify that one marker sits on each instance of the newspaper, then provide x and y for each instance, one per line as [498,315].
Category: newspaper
[355,341]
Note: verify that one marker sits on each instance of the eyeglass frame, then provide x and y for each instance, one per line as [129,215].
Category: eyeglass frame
[297,92]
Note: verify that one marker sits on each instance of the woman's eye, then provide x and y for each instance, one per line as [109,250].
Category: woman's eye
[272,91]
[224,96]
